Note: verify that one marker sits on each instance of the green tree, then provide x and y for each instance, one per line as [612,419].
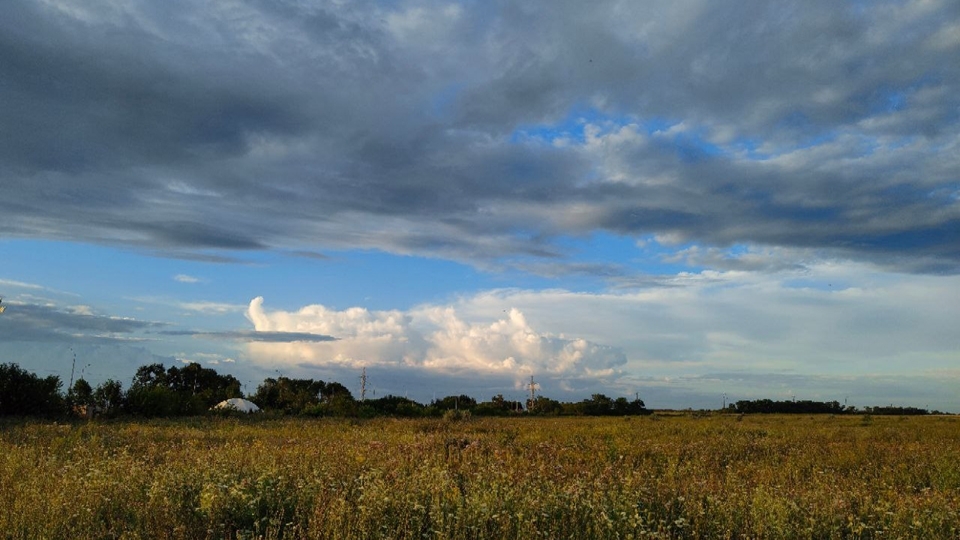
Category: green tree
[153,401]
[395,406]
[449,403]
[296,396]
[498,406]
[24,393]
[598,405]
[81,393]
[108,396]
[192,389]
[543,405]
[149,376]
[200,388]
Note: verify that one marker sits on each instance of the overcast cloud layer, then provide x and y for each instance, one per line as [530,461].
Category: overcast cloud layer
[780,182]
[483,131]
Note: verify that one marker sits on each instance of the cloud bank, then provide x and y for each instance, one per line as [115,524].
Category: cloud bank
[484,132]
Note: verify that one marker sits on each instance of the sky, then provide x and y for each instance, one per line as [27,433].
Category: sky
[691,202]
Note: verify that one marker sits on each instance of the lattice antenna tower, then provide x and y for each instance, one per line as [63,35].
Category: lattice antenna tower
[363,384]
[73,366]
[533,393]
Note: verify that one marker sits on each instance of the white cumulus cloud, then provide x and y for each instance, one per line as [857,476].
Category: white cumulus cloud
[430,338]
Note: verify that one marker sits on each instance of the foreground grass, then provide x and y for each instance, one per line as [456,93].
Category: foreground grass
[651,477]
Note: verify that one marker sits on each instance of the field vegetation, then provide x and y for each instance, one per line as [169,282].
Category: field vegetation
[684,476]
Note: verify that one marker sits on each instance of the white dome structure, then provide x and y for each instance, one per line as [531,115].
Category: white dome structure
[238,404]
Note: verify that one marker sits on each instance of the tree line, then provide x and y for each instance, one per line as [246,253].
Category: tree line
[159,391]
[766,406]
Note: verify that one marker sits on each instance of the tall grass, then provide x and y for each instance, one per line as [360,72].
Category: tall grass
[653,477]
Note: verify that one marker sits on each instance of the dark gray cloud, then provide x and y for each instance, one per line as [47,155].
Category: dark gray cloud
[253,336]
[416,127]
[563,269]
[309,255]
[43,323]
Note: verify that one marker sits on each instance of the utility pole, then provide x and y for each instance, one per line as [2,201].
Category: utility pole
[533,390]
[72,367]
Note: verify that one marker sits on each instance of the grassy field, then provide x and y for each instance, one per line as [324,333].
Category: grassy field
[643,477]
